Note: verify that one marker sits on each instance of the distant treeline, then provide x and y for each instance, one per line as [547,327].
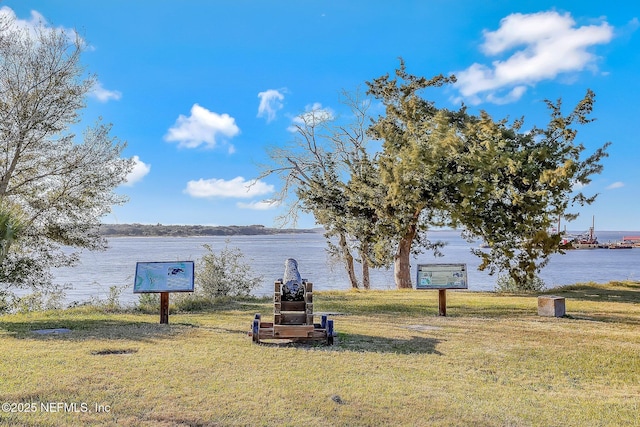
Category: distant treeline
[121,230]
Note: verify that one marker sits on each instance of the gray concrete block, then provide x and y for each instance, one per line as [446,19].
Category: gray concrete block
[551,306]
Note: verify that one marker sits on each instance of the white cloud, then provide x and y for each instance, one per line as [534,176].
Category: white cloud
[237,187]
[35,22]
[578,186]
[36,26]
[140,170]
[513,95]
[314,114]
[262,205]
[270,104]
[546,44]
[6,13]
[615,185]
[201,127]
[104,95]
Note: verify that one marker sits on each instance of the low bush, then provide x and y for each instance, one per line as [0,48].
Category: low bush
[112,302]
[506,284]
[148,303]
[224,273]
[36,301]
[193,302]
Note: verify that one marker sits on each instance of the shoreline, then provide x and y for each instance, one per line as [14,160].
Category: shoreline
[160,230]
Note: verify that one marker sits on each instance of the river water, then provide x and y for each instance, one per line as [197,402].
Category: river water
[98,271]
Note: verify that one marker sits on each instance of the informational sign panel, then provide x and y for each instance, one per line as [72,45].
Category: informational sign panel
[164,277]
[442,276]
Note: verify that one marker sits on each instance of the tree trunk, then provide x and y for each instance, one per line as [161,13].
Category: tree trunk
[4,182]
[348,261]
[402,258]
[402,265]
[366,282]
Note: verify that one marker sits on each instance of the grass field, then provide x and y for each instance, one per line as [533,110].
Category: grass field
[491,362]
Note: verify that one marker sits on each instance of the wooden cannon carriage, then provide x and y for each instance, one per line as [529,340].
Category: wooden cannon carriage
[293,319]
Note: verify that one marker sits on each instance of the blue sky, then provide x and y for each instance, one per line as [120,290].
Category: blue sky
[198,89]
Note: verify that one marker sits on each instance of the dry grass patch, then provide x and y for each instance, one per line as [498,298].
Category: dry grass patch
[491,361]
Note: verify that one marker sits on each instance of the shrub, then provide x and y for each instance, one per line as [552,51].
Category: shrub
[224,274]
[37,301]
[148,303]
[194,302]
[506,283]
[110,304]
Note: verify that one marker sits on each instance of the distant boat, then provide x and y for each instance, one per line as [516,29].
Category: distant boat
[619,245]
[586,240]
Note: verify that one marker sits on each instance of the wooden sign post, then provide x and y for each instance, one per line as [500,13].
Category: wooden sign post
[164,308]
[442,302]
[162,278]
[442,277]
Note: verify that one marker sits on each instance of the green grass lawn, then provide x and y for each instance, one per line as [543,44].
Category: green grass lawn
[491,362]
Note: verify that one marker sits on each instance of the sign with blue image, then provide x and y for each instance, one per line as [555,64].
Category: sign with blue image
[164,277]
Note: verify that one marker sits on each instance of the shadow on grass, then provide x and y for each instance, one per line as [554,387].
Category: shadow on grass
[367,308]
[611,292]
[78,329]
[605,318]
[496,309]
[204,305]
[366,343]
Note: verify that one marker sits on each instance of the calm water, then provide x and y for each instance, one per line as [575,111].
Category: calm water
[98,271]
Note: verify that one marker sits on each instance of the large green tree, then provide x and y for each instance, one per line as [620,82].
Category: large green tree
[60,186]
[514,186]
[450,168]
[414,165]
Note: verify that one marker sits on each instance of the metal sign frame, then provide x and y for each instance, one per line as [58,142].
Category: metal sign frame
[159,277]
[442,276]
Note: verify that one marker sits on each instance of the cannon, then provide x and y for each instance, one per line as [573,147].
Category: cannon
[293,317]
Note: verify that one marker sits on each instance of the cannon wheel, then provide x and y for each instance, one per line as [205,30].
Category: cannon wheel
[329,332]
[255,329]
